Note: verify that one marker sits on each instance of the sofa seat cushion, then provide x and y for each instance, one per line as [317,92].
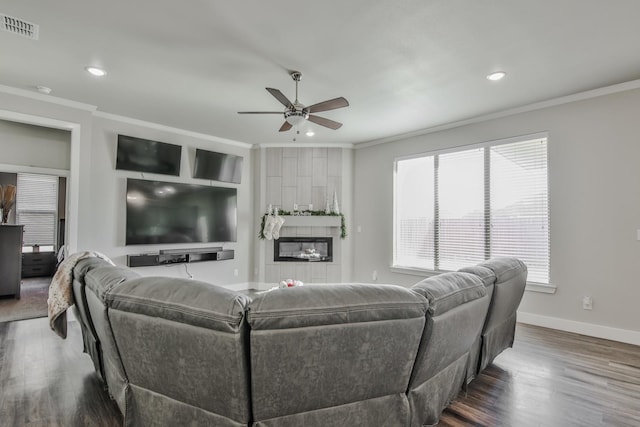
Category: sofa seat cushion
[449,290]
[317,305]
[181,300]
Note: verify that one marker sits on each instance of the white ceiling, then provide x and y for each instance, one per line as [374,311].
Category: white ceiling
[403,65]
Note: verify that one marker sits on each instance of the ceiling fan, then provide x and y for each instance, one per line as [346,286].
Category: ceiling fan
[296,113]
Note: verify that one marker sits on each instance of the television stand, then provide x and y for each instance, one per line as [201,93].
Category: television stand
[179,256]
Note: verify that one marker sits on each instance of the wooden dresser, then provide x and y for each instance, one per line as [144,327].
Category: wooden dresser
[10,259]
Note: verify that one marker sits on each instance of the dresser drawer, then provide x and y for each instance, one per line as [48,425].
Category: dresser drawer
[38,264]
[37,259]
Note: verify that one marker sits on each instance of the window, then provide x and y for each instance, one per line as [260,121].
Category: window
[36,209]
[457,208]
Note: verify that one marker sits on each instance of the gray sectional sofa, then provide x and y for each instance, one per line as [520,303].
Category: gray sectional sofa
[183,352]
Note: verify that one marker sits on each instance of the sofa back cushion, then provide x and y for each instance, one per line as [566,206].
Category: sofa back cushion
[511,280]
[183,343]
[80,270]
[326,346]
[458,304]
[499,329]
[90,338]
[99,281]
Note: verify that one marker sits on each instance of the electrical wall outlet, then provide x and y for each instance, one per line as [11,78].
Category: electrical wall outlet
[587,303]
[235,272]
[374,275]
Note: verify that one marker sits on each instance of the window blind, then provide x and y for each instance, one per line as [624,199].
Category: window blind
[36,208]
[414,216]
[519,205]
[459,208]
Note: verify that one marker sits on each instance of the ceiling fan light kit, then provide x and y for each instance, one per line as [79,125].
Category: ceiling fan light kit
[296,113]
[295,117]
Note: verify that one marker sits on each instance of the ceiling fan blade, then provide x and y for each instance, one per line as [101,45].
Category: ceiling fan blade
[325,122]
[331,104]
[280,97]
[285,127]
[260,112]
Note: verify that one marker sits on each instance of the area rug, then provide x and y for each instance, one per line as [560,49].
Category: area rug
[32,302]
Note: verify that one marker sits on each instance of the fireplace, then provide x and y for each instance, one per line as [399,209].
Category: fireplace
[303,249]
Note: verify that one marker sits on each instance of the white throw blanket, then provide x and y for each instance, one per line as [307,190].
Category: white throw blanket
[61,291]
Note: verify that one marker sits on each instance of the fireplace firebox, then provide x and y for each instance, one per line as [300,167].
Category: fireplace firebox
[303,249]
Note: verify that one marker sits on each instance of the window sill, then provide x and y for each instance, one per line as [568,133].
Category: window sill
[414,271]
[424,273]
[540,287]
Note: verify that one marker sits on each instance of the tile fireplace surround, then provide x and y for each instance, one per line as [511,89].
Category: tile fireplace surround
[304,176]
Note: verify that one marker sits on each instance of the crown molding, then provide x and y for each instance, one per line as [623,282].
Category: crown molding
[164,128]
[303,145]
[47,98]
[581,96]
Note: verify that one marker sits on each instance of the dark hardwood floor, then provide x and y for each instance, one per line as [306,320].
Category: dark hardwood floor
[549,378]
[47,381]
[554,379]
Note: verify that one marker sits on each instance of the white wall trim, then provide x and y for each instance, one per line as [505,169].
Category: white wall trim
[47,98]
[35,120]
[5,167]
[73,183]
[582,328]
[594,93]
[304,145]
[170,129]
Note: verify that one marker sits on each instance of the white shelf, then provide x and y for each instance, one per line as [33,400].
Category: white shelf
[311,221]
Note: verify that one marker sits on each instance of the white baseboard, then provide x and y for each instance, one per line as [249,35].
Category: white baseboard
[582,328]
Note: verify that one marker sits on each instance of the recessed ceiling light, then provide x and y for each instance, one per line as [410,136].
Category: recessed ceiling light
[98,72]
[498,75]
[43,89]
[310,133]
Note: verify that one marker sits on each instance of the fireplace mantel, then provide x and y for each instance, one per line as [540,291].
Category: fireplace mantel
[311,221]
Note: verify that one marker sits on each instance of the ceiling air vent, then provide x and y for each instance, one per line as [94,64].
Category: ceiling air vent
[19,27]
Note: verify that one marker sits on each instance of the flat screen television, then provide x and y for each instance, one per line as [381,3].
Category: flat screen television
[218,166]
[144,155]
[168,212]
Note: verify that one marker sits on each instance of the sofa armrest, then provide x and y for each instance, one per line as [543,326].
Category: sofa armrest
[101,280]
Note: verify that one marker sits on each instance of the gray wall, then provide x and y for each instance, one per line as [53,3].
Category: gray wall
[594,148]
[108,187]
[96,197]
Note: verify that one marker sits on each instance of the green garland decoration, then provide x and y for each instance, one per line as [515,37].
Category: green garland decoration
[343,227]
